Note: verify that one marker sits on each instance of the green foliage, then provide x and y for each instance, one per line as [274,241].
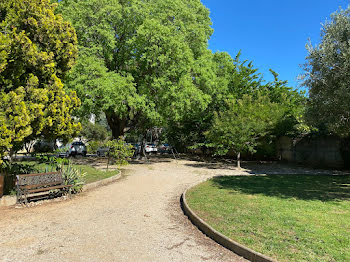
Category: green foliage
[147,63]
[96,135]
[327,76]
[93,145]
[37,48]
[92,131]
[52,162]
[73,176]
[140,60]
[10,170]
[239,128]
[233,80]
[224,78]
[291,102]
[120,151]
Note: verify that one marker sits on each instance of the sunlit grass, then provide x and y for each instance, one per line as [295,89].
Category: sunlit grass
[290,218]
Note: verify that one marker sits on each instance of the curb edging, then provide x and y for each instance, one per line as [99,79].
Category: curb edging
[226,242]
[7,201]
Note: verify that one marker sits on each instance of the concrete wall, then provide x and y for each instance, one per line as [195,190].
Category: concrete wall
[325,151]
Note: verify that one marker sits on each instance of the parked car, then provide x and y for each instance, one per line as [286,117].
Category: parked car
[75,148]
[150,148]
[102,151]
[165,149]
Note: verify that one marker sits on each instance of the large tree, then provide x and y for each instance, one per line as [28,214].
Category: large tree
[327,75]
[37,48]
[140,61]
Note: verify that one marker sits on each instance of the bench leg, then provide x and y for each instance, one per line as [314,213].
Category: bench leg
[26,198]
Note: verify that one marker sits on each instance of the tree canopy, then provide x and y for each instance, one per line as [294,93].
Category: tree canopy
[327,75]
[37,49]
[147,63]
[141,62]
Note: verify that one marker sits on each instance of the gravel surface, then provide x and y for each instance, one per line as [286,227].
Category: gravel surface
[137,218]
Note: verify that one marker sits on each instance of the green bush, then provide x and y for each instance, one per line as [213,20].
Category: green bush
[10,170]
[120,151]
[93,146]
[73,176]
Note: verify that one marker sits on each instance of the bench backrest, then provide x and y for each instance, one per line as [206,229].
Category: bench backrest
[38,180]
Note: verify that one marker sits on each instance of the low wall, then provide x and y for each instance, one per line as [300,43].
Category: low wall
[325,151]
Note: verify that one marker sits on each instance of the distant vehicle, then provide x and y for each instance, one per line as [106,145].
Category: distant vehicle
[150,148]
[102,151]
[75,148]
[165,149]
[137,148]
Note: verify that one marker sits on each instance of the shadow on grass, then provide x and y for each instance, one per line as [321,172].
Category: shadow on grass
[265,167]
[303,187]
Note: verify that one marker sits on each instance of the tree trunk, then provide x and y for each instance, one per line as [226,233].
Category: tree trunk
[116,124]
[239,159]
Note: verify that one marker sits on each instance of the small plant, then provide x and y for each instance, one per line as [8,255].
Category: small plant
[73,176]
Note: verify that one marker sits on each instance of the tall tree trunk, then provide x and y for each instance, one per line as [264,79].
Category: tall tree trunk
[116,124]
[239,159]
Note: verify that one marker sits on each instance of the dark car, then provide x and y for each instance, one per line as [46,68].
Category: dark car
[102,151]
[165,149]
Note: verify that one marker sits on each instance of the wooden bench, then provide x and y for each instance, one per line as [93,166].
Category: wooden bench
[37,183]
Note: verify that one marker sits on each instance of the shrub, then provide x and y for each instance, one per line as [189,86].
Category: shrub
[10,170]
[120,151]
[73,176]
[93,146]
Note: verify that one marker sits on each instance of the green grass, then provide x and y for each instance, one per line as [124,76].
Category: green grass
[92,174]
[287,217]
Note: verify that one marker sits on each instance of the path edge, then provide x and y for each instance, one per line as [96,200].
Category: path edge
[226,242]
[7,201]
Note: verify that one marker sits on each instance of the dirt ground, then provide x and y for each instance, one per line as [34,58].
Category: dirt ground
[137,218]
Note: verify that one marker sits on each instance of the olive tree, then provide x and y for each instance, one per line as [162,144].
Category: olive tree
[327,75]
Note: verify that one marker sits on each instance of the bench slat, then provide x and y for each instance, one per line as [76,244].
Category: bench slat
[39,174]
[40,185]
[47,188]
[40,179]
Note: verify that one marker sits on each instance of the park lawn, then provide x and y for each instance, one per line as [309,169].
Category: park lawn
[92,174]
[287,217]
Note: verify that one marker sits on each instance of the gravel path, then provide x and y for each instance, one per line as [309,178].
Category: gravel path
[135,219]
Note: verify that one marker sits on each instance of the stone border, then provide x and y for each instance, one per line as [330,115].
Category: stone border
[6,201]
[220,238]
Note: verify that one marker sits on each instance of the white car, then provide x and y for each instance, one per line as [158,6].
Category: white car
[150,148]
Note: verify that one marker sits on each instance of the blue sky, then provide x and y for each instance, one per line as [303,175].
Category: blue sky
[271,33]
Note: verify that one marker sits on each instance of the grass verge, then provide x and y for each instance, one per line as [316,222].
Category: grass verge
[287,217]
